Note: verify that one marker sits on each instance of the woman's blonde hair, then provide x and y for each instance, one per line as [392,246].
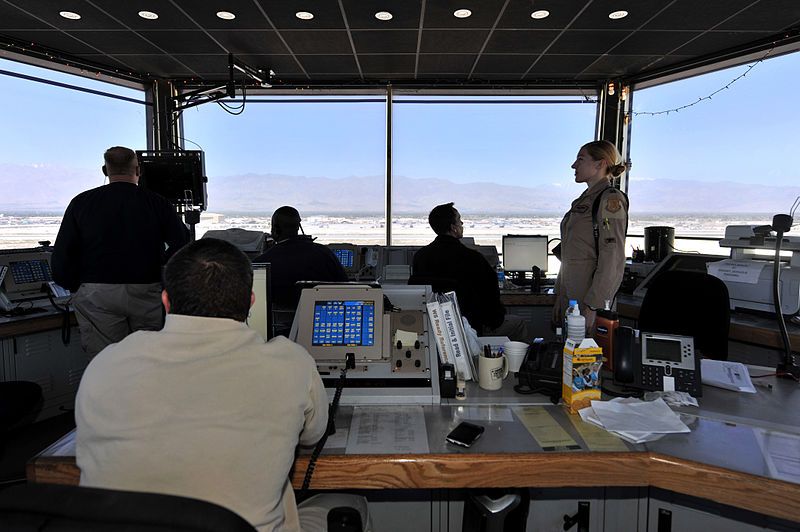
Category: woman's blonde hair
[603,150]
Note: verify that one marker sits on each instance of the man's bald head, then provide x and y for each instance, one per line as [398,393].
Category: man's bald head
[121,164]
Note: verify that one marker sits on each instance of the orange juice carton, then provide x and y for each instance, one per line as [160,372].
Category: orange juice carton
[580,383]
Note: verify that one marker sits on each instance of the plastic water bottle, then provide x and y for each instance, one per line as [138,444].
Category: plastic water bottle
[576,324]
[572,303]
[501,277]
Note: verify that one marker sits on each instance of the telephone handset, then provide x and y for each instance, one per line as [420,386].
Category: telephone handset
[656,362]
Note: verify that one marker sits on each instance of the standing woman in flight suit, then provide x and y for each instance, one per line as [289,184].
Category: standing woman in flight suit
[593,254]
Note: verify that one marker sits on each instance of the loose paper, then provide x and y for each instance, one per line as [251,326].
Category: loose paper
[781,453]
[739,271]
[728,375]
[485,413]
[388,430]
[407,338]
[545,429]
[640,416]
[597,439]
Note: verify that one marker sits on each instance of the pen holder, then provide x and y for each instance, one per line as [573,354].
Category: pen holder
[492,371]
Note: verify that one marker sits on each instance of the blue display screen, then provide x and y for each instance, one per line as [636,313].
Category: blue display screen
[344,323]
[345,257]
[30,271]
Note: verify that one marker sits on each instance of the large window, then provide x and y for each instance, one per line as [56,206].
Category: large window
[725,160]
[53,139]
[504,161]
[324,156]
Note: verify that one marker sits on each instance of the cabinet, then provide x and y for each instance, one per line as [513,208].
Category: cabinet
[44,359]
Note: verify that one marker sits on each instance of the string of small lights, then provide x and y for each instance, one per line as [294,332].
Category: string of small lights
[734,80]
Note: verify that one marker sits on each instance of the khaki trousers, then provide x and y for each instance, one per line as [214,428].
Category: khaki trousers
[107,313]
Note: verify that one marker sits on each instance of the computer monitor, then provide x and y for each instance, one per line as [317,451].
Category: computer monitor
[333,320]
[347,255]
[260,316]
[26,273]
[522,252]
[179,176]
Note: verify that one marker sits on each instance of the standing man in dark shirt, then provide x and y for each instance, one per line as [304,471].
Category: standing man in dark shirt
[110,248]
[447,259]
[295,257]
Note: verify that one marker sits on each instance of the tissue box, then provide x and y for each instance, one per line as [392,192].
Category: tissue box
[580,383]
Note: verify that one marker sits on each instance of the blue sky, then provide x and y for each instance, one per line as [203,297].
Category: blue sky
[747,133]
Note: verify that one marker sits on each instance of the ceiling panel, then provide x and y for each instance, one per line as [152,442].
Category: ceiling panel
[53,39]
[361,14]
[48,12]
[157,65]
[127,13]
[504,64]
[373,42]
[595,16]
[372,64]
[520,41]
[587,41]
[16,19]
[444,41]
[247,13]
[718,40]
[561,64]
[694,15]
[453,63]
[183,41]
[654,42]
[327,14]
[116,42]
[439,14]
[329,64]
[318,42]
[518,14]
[249,42]
[769,15]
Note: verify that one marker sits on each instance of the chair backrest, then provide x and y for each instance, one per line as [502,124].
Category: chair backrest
[70,508]
[691,304]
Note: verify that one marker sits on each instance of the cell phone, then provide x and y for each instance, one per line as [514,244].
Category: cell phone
[465,434]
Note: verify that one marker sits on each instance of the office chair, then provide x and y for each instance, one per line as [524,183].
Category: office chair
[53,507]
[689,303]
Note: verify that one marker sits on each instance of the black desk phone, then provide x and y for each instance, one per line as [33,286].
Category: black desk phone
[656,362]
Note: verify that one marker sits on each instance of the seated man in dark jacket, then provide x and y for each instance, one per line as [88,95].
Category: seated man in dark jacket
[447,259]
[295,257]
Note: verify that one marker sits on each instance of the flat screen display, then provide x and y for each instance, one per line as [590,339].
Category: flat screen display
[522,252]
[345,257]
[30,271]
[666,350]
[347,323]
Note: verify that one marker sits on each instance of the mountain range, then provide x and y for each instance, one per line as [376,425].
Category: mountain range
[45,188]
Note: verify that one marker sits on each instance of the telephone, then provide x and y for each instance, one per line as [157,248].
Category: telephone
[541,370]
[656,362]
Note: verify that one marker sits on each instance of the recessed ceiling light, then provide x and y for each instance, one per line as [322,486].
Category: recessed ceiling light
[542,13]
[304,15]
[383,15]
[70,15]
[617,15]
[149,15]
[226,15]
[462,13]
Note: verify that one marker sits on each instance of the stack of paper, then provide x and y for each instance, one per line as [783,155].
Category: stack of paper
[672,398]
[634,420]
[728,375]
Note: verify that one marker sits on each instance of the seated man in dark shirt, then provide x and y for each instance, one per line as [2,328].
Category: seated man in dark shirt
[295,257]
[475,282]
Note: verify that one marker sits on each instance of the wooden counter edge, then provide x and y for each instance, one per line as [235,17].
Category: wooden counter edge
[537,470]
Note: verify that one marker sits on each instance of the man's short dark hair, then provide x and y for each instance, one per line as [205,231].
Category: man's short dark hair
[120,161]
[442,217]
[211,278]
[285,222]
